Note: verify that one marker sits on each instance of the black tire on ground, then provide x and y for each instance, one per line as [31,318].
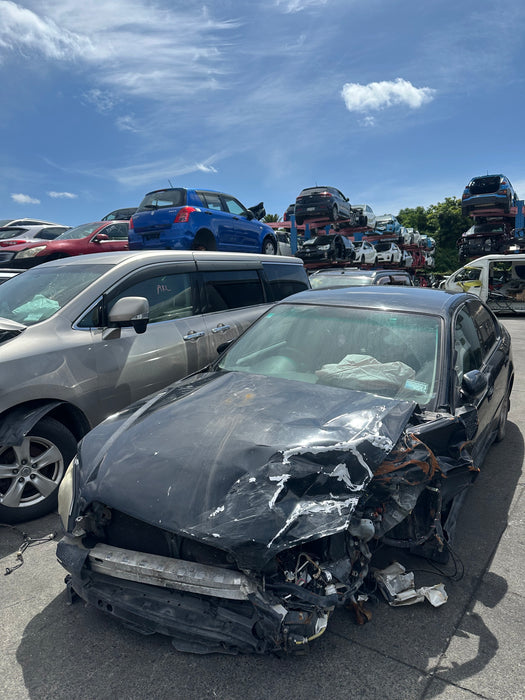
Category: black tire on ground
[38,466]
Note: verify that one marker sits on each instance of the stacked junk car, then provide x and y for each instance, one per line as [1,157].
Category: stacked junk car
[317,445]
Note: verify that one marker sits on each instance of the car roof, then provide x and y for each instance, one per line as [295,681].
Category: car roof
[353,272]
[435,302]
[135,258]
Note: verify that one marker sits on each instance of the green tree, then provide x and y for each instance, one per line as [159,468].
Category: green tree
[271,218]
[445,223]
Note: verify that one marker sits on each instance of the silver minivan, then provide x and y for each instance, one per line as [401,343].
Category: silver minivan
[82,338]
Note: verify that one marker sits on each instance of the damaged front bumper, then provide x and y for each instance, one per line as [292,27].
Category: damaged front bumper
[204,609]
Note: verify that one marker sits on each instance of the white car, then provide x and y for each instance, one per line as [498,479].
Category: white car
[365,253]
[284,246]
[367,216]
[388,252]
[407,258]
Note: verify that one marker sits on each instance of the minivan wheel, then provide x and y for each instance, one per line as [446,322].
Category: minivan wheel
[30,473]
[268,246]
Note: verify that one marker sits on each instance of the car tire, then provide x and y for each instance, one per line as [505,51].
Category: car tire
[204,240]
[362,260]
[269,247]
[37,491]
[299,220]
[334,214]
[502,421]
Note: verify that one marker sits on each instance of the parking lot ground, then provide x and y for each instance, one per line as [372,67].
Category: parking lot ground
[471,647]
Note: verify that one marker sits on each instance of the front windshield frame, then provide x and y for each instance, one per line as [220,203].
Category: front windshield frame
[318,343]
[41,292]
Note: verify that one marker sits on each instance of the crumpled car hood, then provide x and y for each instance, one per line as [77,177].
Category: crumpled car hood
[234,460]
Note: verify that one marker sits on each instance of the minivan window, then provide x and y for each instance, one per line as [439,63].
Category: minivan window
[231,289]
[38,294]
[285,280]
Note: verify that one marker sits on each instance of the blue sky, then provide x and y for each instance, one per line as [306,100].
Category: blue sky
[398,103]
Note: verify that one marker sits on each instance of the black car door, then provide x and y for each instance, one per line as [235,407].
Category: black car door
[477,346]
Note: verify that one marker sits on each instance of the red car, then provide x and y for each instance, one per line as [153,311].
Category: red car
[95,237]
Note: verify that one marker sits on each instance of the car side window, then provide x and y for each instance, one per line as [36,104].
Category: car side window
[285,280]
[233,206]
[116,231]
[467,346]
[212,200]
[169,295]
[231,289]
[485,325]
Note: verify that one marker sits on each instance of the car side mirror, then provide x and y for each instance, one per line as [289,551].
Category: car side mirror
[249,215]
[474,383]
[100,237]
[130,312]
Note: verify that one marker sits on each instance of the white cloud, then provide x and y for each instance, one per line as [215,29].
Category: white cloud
[103,100]
[132,47]
[298,5]
[376,96]
[143,175]
[62,195]
[21,28]
[127,123]
[24,199]
[368,121]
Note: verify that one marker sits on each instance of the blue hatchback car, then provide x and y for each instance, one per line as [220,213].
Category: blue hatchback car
[493,191]
[187,219]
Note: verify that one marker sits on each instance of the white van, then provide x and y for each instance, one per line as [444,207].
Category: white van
[499,280]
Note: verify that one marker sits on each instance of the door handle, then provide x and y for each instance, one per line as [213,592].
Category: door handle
[221,328]
[193,335]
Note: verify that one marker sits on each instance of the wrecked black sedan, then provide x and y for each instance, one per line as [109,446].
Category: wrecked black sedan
[237,508]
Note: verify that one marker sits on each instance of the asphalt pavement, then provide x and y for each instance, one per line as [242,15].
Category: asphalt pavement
[471,647]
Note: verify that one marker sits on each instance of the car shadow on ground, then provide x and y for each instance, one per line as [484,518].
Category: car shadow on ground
[77,651]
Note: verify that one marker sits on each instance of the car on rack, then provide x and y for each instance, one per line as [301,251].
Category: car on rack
[365,253]
[388,251]
[235,509]
[95,237]
[330,247]
[388,223]
[488,191]
[85,336]
[323,203]
[289,212]
[330,278]
[120,214]
[366,215]
[484,238]
[284,243]
[180,218]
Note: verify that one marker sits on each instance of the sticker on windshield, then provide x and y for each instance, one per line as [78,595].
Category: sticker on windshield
[413,385]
